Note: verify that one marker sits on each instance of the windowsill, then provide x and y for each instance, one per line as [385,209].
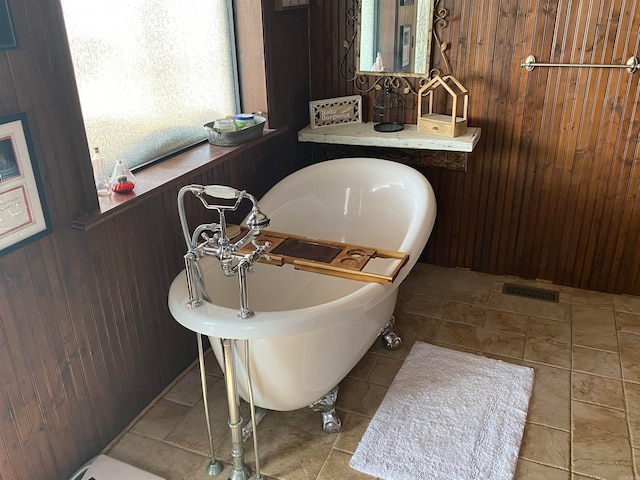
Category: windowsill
[157,178]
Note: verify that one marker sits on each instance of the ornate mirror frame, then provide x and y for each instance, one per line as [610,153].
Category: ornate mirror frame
[364,82]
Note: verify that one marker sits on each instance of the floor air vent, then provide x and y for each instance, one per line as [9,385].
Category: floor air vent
[530,292]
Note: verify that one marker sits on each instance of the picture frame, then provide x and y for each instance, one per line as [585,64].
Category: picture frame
[405,42]
[23,210]
[335,111]
[7,33]
[291,4]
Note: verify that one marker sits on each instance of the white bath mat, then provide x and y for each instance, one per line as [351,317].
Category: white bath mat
[448,415]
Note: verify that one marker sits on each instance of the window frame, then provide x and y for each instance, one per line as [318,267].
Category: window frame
[230,7]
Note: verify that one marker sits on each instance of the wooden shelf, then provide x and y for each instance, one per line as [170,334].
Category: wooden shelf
[364,134]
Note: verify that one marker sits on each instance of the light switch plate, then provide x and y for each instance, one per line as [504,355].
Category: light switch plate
[291,4]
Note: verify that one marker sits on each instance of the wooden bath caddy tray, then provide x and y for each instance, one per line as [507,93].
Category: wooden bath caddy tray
[326,257]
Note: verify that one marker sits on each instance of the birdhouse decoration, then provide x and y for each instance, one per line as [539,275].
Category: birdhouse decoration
[443,124]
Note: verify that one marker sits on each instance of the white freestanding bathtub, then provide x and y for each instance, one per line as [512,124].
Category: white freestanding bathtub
[309,330]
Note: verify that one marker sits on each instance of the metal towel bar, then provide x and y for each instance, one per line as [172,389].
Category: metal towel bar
[530,63]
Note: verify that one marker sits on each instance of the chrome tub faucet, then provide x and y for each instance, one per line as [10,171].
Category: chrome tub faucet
[212,239]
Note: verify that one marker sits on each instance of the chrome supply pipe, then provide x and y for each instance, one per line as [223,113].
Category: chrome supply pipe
[239,469]
[245,311]
[252,407]
[214,467]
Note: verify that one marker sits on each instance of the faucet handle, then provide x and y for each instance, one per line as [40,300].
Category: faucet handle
[260,251]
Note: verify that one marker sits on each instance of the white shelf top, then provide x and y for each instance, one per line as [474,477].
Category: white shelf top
[364,134]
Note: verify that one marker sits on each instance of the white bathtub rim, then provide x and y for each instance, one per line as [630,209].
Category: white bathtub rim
[217,321]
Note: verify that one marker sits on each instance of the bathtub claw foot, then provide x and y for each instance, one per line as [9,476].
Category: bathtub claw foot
[331,423]
[390,340]
[327,407]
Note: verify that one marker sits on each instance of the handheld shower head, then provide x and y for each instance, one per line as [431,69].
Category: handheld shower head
[257,219]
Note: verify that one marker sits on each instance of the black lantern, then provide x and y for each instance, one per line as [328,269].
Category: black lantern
[388,111]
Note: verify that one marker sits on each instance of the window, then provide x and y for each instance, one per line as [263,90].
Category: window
[151,73]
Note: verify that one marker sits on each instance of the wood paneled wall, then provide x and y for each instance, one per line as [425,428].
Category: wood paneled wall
[551,190]
[86,338]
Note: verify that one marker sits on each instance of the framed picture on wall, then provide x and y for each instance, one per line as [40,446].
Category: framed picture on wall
[23,211]
[7,33]
[405,43]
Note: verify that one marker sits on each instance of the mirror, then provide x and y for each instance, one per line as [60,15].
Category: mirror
[394,37]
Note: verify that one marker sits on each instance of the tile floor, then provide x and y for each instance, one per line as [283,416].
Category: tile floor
[584,415]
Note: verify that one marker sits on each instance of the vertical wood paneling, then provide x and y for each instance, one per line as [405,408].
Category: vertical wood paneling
[86,338]
[551,189]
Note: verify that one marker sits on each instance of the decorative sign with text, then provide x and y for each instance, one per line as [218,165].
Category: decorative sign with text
[336,111]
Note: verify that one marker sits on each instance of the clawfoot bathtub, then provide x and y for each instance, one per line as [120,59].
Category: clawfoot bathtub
[309,330]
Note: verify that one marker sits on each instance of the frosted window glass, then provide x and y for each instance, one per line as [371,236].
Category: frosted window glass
[151,73]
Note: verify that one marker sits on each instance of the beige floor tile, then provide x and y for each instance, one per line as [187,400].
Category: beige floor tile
[527,306]
[385,370]
[636,456]
[191,432]
[626,303]
[594,327]
[456,284]
[632,395]
[600,390]
[157,457]
[292,445]
[188,390]
[359,396]
[546,445]
[465,311]
[630,356]
[601,444]
[430,306]
[416,327]
[490,318]
[481,339]
[527,470]
[550,402]
[161,419]
[211,365]
[592,299]
[353,428]
[364,366]
[598,362]
[413,280]
[628,322]
[337,468]
[549,341]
